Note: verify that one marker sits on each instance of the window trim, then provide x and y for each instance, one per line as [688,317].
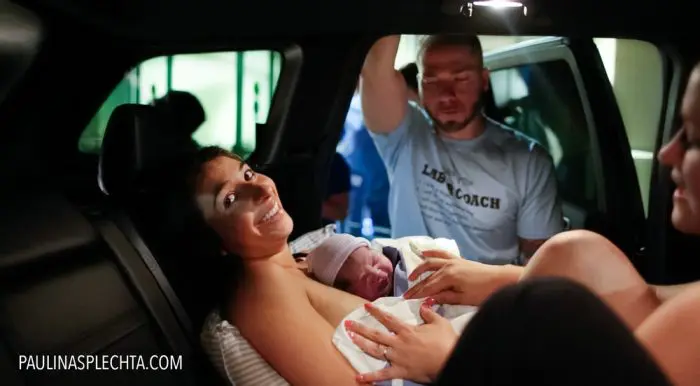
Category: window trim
[547,50]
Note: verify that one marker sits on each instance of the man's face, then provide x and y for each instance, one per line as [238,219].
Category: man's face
[452,81]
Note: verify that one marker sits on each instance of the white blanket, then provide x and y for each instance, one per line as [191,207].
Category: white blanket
[411,246]
[407,311]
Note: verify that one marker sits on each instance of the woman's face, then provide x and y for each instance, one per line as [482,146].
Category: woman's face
[682,154]
[243,208]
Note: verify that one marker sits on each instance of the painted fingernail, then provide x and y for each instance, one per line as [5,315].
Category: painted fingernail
[348,323]
[360,378]
[368,306]
[429,302]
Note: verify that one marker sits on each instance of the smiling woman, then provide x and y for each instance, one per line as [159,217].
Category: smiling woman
[242,207]
[274,305]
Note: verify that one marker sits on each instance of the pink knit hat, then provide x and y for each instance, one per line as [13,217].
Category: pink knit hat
[326,260]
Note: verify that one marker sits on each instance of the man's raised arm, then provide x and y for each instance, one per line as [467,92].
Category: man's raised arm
[383,89]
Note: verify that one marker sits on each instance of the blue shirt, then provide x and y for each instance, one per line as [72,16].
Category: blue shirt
[371,180]
[485,193]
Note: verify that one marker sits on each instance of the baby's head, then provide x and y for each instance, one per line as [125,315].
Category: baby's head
[348,263]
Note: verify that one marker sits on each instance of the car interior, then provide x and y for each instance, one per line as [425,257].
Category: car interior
[94,256]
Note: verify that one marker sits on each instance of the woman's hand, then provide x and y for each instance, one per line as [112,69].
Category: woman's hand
[458,281]
[416,353]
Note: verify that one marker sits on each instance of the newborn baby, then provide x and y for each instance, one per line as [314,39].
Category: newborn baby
[354,265]
[349,264]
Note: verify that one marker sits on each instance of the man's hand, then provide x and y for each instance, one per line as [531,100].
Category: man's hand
[458,281]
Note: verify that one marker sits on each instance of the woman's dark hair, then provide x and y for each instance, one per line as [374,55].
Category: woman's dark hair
[206,236]
[216,270]
[201,157]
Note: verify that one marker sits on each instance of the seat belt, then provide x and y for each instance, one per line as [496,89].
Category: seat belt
[133,262]
[127,227]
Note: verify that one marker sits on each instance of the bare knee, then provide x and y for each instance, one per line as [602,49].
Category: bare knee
[570,241]
[590,259]
[576,253]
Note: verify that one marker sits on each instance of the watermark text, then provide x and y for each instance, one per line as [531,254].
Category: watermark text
[100,362]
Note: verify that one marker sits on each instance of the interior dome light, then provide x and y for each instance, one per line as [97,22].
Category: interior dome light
[468,8]
[498,3]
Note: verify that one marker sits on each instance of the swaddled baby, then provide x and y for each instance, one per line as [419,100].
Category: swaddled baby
[350,264]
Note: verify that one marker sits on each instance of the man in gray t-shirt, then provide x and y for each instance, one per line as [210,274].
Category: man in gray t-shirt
[453,172]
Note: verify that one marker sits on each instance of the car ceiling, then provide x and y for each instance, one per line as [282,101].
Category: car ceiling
[156,21]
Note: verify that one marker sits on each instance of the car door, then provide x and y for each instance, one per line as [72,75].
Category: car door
[556,91]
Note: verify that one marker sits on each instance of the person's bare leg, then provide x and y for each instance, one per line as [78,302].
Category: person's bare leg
[590,259]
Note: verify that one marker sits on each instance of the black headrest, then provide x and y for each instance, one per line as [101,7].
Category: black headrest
[130,149]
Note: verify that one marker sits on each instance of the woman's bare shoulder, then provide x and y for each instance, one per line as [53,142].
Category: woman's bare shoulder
[274,313]
[265,286]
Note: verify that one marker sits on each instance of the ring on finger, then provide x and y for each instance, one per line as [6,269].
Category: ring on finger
[385,353]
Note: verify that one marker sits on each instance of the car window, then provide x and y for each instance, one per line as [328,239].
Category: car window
[634,70]
[235,90]
[542,101]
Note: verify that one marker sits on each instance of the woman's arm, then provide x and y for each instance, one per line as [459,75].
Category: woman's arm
[459,281]
[280,323]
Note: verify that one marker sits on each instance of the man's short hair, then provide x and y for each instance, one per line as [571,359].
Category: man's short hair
[410,75]
[461,40]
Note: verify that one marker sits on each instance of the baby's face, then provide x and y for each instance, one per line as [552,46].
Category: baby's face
[366,273]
